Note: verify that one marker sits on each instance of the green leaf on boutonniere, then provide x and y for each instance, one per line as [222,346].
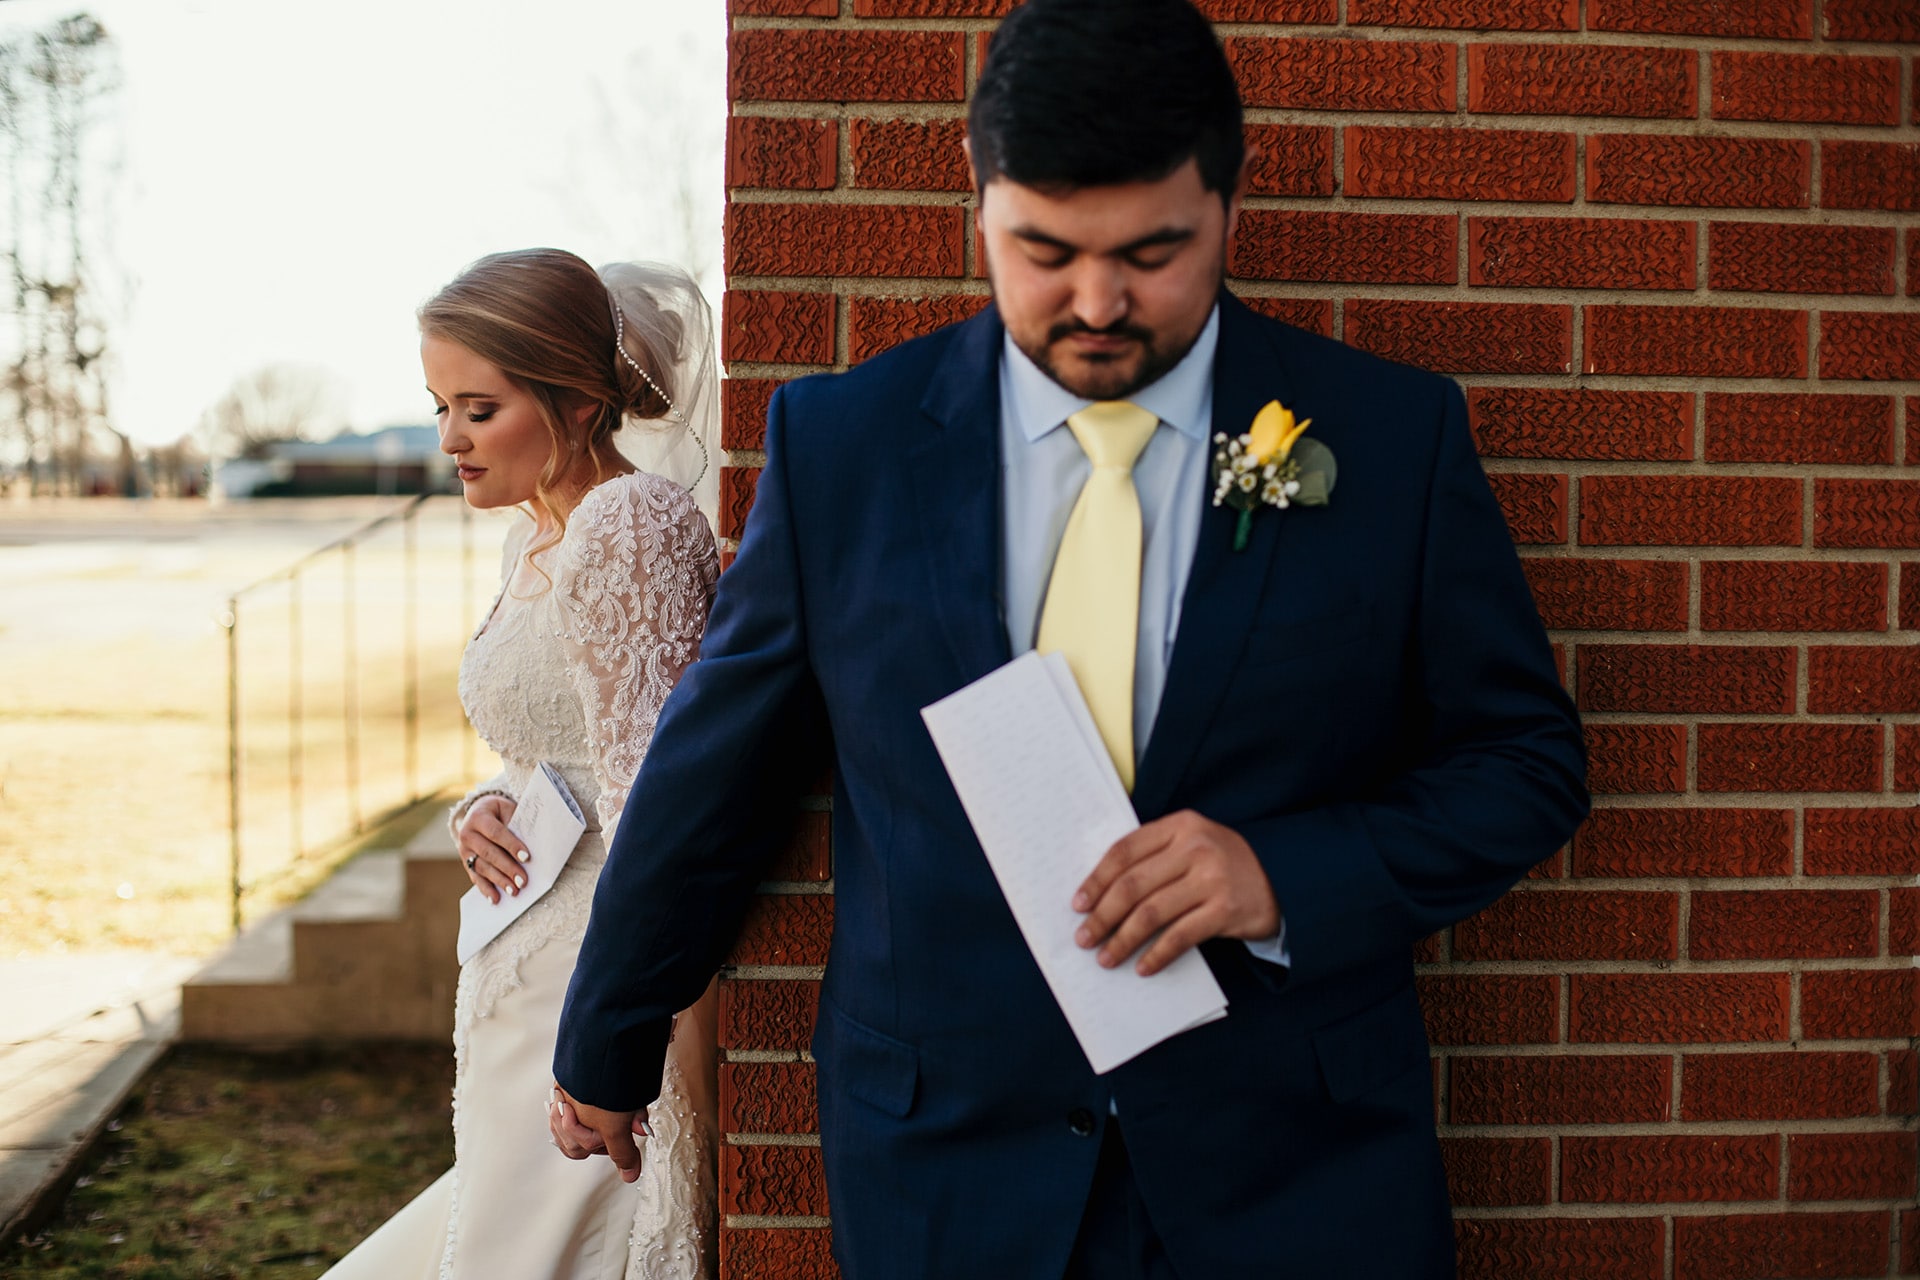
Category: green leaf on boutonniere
[1318,471]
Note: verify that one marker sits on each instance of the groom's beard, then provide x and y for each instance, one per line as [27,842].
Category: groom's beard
[1146,356]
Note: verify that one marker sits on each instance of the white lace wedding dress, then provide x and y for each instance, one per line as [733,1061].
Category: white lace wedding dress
[571,666]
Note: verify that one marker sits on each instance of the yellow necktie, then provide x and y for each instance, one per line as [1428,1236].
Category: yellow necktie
[1092,613]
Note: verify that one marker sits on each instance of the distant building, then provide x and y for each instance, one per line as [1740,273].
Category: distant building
[391,460]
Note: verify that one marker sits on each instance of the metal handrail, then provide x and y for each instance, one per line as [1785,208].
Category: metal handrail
[346,548]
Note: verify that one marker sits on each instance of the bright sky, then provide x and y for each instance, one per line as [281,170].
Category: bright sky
[299,177]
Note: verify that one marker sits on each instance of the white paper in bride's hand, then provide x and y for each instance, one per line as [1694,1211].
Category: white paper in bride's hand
[1042,795]
[550,822]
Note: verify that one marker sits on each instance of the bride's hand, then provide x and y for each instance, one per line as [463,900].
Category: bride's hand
[492,853]
[581,1130]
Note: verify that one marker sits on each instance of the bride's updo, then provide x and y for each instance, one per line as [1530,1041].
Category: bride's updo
[546,319]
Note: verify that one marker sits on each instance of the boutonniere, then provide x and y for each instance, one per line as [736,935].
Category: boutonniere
[1270,464]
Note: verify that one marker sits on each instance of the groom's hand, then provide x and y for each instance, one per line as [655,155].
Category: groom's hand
[581,1130]
[1182,876]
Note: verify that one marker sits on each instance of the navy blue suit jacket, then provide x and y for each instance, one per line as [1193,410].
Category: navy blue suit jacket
[1364,692]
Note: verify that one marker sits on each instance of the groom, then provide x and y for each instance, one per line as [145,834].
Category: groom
[1340,736]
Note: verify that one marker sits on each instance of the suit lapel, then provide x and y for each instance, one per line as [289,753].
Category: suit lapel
[1224,585]
[954,460]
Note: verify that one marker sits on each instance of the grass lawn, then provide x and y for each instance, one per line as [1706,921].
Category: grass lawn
[267,1167]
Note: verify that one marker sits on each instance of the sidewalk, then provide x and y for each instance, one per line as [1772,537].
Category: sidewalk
[77,1033]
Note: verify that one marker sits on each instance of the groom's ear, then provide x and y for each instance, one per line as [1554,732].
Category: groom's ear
[1238,198]
[973,177]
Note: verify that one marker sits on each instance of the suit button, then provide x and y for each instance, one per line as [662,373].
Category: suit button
[1080,1122]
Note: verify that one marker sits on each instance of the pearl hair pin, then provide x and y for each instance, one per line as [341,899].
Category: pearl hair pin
[673,410]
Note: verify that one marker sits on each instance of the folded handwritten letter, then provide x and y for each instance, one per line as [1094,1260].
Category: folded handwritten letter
[550,822]
[1043,797]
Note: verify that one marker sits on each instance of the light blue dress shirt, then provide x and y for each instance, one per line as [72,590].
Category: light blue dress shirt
[1042,469]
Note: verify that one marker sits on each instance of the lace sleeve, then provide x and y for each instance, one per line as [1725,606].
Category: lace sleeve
[634,580]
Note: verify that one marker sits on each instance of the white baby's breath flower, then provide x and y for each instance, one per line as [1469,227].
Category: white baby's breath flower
[1247,483]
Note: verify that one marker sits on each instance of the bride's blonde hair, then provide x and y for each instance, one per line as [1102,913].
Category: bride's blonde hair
[544,318]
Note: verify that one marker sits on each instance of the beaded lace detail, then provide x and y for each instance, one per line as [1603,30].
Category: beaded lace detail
[575,674]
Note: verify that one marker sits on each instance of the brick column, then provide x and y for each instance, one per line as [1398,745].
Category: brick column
[1672,249]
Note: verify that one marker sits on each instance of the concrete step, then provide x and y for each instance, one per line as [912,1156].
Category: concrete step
[369,955]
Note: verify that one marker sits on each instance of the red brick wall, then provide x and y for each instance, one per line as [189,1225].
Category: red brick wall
[1672,248]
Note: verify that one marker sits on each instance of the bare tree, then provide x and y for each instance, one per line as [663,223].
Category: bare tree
[274,403]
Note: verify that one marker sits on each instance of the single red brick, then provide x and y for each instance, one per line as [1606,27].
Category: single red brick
[1767,1245]
[1609,595]
[1723,679]
[1369,248]
[1290,160]
[1750,756]
[1788,258]
[743,412]
[1307,12]
[916,155]
[737,486]
[767,1013]
[1697,342]
[1775,19]
[1906,757]
[785,928]
[1509,1248]
[792,1253]
[808,854]
[1863,679]
[785,8]
[772,1180]
[1870,175]
[1719,173]
[768,1097]
[875,324]
[1779,1086]
[1459,164]
[1678,1008]
[1581,80]
[1431,949]
[774,327]
[1869,344]
[1910,580]
[1575,924]
[932,8]
[1792,595]
[1761,427]
[844,240]
[1804,87]
[1479,15]
[1551,422]
[1666,1169]
[1636,759]
[1489,1172]
[1789,924]
[1579,1089]
[1866,513]
[1464,337]
[767,151]
[1903,1083]
[1885,20]
[1860,1004]
[1490,1008]
[1696,511]
[1535,505]
[824,64]
[1359,75]
[1315,315]
[1580,253]
[1850,1166]
[1685,842]
[1863,842]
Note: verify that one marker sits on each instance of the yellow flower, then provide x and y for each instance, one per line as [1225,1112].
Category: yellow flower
[1273,434]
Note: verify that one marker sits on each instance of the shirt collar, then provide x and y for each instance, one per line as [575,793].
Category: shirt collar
[1182,398]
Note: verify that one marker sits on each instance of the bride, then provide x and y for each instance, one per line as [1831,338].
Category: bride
[534,361]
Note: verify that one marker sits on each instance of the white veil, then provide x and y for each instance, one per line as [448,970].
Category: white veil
[659,309]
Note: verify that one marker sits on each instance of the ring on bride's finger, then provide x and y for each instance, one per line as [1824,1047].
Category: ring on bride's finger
[470,861]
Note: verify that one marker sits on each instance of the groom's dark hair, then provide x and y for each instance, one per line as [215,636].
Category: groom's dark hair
[1090,93]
